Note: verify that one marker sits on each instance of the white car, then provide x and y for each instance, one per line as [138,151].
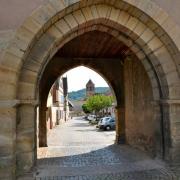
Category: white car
[91,117]
[106,123]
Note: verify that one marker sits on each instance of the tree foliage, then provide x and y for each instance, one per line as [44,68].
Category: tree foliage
[98,102]
[86,109]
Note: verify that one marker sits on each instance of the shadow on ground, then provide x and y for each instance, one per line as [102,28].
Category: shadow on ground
[111,162]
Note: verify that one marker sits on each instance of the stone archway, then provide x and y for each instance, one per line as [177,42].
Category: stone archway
[143,27]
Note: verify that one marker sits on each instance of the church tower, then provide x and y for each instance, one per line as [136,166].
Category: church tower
[90,88]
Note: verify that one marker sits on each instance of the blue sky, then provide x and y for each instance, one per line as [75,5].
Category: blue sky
[78,77]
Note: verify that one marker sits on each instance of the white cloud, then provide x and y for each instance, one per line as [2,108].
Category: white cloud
[78,77]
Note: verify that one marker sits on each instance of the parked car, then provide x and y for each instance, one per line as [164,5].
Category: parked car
[107,123]
[91,117]
[85,117]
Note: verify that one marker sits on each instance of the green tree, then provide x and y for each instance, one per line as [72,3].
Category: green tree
[86,109]
[99,102]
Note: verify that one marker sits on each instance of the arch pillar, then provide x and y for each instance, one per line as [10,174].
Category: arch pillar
[171,114]
[42,126]
[120,125]
[8,138]
[26,154]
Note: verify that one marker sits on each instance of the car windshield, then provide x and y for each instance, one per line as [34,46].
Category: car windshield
[112,120]
[105,119]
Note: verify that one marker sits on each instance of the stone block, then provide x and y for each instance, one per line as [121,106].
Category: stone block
[146,49]
[135,48]
[147,35]
[7,145]
[162,55]
[7,167]
[175,127]
[121,5]
[160,16]
[42,48]
[168,24]
[11,61]
[54,32]
[8,91]
[57,4]
[32,65]
[140,28]
[103,10]
[7,131]
[149,7]
[5,38]
[146,64]
[174,91]
[140,42]
[114,14]
[153,79]
[63,26]
[132,23]
[26,140]
[42,17]
[111,3]
[169,67]
[87,13]
[151,24]
[127,41]
[26,91]
[20,44]
[144,18]
[172,78]
[159,32]
[140,55]
[76,5]
[84,3]
[32,25]
[28,76]
[50,10]
[16,51]
[8,75]
[135,12]
[25,35]
[79,17]
[155,43]
[8,117]
[71,21]
[26,116]
[123,18]
[94,12]
[25,162]
[175,156]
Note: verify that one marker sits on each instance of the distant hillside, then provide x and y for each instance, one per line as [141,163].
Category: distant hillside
[81,94]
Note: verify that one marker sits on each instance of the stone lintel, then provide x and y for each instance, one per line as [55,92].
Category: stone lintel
[32,102]
[169,101]
[9,103]
[15,102]
[166,102]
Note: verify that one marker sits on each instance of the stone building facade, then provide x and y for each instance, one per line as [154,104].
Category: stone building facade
[57,113]
[133,44]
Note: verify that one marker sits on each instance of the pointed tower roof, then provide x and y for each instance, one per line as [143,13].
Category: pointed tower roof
[90,83]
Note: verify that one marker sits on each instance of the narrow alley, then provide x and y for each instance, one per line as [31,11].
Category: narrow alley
[79,151]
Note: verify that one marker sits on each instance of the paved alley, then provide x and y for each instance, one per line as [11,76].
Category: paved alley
[79,151]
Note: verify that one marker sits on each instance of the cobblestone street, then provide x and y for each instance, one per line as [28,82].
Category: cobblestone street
[78,151]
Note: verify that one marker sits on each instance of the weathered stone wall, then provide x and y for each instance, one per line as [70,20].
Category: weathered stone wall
[13,13]
[157,41]
[140,122]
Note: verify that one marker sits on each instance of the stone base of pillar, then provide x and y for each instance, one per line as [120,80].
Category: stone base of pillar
[120,140]
[43,144]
